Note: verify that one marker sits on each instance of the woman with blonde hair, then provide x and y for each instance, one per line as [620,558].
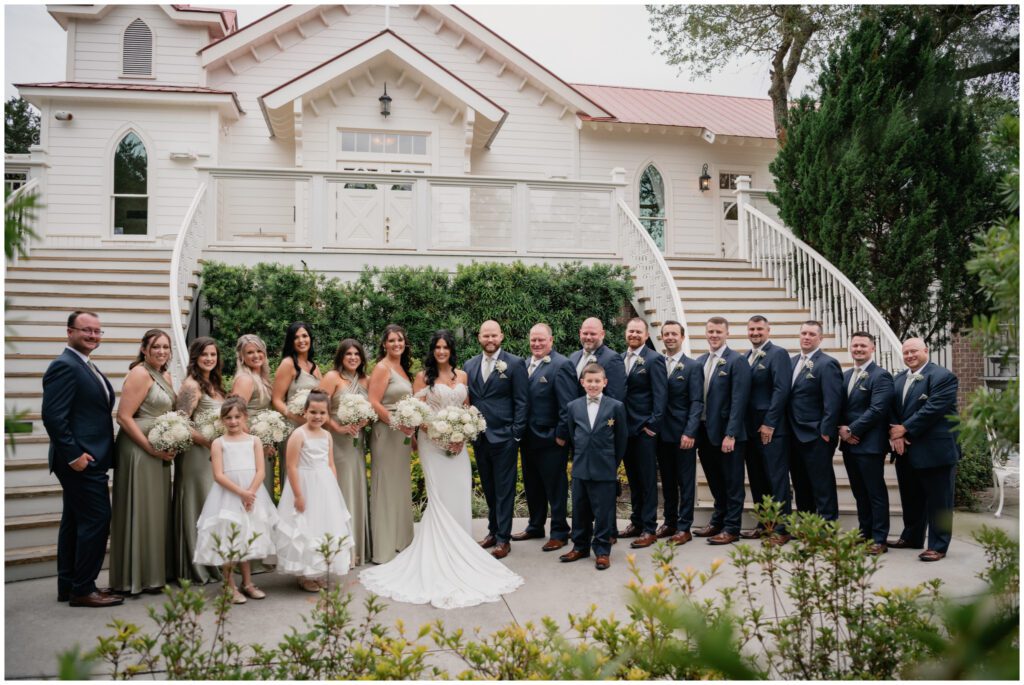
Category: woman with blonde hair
[252,383]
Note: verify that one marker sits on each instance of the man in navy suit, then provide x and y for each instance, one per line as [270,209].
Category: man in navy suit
[722,431]
[677,452]
[926,451]
[544,450]
[646,382]
[815,403]
[598,431]
[766,455]
[864,435]
[498,388]
[595,351]
[77,405]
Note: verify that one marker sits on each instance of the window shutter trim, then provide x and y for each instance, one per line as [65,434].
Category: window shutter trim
[138,49]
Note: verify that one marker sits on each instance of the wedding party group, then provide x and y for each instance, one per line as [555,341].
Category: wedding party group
[195,469]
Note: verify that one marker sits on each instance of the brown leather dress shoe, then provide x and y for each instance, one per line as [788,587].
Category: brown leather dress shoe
[602,562]
[552,544]
[501,550]
[631,531]
[707,531]
[903,544]
[96,600]
[645,540]
[931,555]
[574,555]
[723,538]
[777,539]
[519,537]
[489,541]
[665,531]
[681,538]
[752,534]
[878,548]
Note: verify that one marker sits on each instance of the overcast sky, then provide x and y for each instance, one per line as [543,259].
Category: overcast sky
[600,44]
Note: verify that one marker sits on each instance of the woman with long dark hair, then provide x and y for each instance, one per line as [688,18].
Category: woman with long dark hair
[348,377]
[201,395]
[297,371]
[390,494]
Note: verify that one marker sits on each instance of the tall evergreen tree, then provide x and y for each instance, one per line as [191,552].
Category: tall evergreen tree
[21,125]
[884,174]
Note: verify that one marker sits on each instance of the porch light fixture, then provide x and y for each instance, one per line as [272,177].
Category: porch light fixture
[705,179]
[385,102]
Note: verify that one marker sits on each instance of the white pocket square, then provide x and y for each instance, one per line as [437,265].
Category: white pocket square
[543,380]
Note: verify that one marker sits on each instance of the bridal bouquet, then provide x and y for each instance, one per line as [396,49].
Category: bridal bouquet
[354,409]
[297,404]
[455,425]
[172,432]
[209,425]
[409,413]
[269,426]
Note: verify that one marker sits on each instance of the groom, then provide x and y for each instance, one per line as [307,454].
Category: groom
[498,387]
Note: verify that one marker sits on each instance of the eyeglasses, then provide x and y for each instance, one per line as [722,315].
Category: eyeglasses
[89,331]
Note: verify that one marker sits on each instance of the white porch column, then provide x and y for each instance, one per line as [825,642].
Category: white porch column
[742,199]
[521,218]
[618,193]
[317,211]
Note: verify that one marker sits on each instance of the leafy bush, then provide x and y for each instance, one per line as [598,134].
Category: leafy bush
[973,475]
[265,298]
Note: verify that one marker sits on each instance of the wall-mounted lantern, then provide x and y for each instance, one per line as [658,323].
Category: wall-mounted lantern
[705,179]
[385,102]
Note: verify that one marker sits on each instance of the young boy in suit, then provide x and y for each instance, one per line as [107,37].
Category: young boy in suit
[598,432]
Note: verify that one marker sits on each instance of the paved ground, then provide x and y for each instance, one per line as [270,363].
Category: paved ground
[38,627]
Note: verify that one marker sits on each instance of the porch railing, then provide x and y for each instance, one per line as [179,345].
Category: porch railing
[188,249]
[26,218]
[810,278]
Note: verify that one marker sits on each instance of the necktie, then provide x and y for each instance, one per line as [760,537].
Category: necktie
[906,386]
[630,360]
[799,368]
[709,367]
[593,400]
[853,380]
[670,364]
[533,367]
[584,356]
[488,366]
[99,377]
[752,357]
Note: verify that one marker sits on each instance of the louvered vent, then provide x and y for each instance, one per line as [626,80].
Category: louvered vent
[138,49]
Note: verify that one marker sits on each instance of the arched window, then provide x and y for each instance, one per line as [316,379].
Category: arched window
[652,205]
[131,198]
[137,59]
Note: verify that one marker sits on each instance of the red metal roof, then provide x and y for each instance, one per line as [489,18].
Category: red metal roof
[721,114]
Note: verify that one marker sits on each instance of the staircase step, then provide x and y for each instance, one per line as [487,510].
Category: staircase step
[36,562]
[87,273]
[26,472]
[124,315]
[114,249]
[33,499]
[39,362]
[713,293]
[30,531]
[43,285]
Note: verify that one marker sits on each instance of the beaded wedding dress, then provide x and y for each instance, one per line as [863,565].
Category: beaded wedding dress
[444,566]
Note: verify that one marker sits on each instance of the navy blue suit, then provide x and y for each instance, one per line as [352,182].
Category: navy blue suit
[76,413]
[645,404]
[684,402]
[545,481]
[725,410]
[614,371]
[926,471]
[768,465]
[596,455]
[503,402]
[815,404]
[866,414]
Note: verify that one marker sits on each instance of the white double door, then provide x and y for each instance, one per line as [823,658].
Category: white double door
[378,214]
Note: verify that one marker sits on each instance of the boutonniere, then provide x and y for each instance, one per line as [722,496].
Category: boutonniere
[546,359]
[917,377]
[591,359]
[639,360]
[862,376]
[611,422]
[500,366]
[721,362]
[760,355]
[809,365]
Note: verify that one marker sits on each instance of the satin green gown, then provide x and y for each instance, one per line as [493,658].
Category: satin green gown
[390,480]
[141,542]
[350,462]
[193,478]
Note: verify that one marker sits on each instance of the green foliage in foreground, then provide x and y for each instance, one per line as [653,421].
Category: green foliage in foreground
[265,298]
[803,611]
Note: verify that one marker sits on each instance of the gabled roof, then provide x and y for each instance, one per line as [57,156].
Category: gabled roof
[721,114]
[227,97]
[220,22]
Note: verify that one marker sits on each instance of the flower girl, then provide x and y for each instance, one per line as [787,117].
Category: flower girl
[312,506]
[237,503]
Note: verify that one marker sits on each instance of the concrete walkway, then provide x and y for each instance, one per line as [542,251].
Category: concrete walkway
[38,627]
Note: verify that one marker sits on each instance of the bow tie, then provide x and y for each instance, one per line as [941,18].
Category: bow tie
[593,400]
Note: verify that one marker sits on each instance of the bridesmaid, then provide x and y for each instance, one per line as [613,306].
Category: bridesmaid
[252,383]
[201,392]
[141,547]
[390,492]
[297,371]
[349,377]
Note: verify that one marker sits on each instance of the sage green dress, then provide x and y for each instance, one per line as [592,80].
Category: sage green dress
[390,480]
[350,462]
[193,478]
[255,405]
[141,546]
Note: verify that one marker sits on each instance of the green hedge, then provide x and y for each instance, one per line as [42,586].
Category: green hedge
[265,298]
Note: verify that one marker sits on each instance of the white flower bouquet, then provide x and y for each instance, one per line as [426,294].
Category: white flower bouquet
[172,432]
[269,426]
[354,409]
[409,412]
[297,404]
[454,426]
[209,425]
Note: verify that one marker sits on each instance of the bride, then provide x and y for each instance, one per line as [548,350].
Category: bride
[444,566]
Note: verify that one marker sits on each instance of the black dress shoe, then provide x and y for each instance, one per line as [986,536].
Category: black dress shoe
[96,600]
[65,596]
[526,535]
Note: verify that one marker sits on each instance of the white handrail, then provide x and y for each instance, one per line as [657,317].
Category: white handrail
[816,283]
[184,259]
[25,189]
[660,301]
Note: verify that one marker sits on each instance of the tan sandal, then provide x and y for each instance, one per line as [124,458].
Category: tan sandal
[253,592]
[237,597]
[309,585]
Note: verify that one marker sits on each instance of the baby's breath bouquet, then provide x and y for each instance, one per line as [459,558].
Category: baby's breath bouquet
[171,432]
[269,426]
[454,426]
[409,413]
[209,425]
[297,404]
[353,409]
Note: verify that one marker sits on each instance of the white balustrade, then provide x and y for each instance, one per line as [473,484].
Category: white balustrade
[188,248]
[27,218]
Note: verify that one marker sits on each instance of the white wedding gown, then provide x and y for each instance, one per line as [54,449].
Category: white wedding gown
[444,566]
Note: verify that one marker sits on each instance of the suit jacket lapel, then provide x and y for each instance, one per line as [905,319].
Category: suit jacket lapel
[103,385]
